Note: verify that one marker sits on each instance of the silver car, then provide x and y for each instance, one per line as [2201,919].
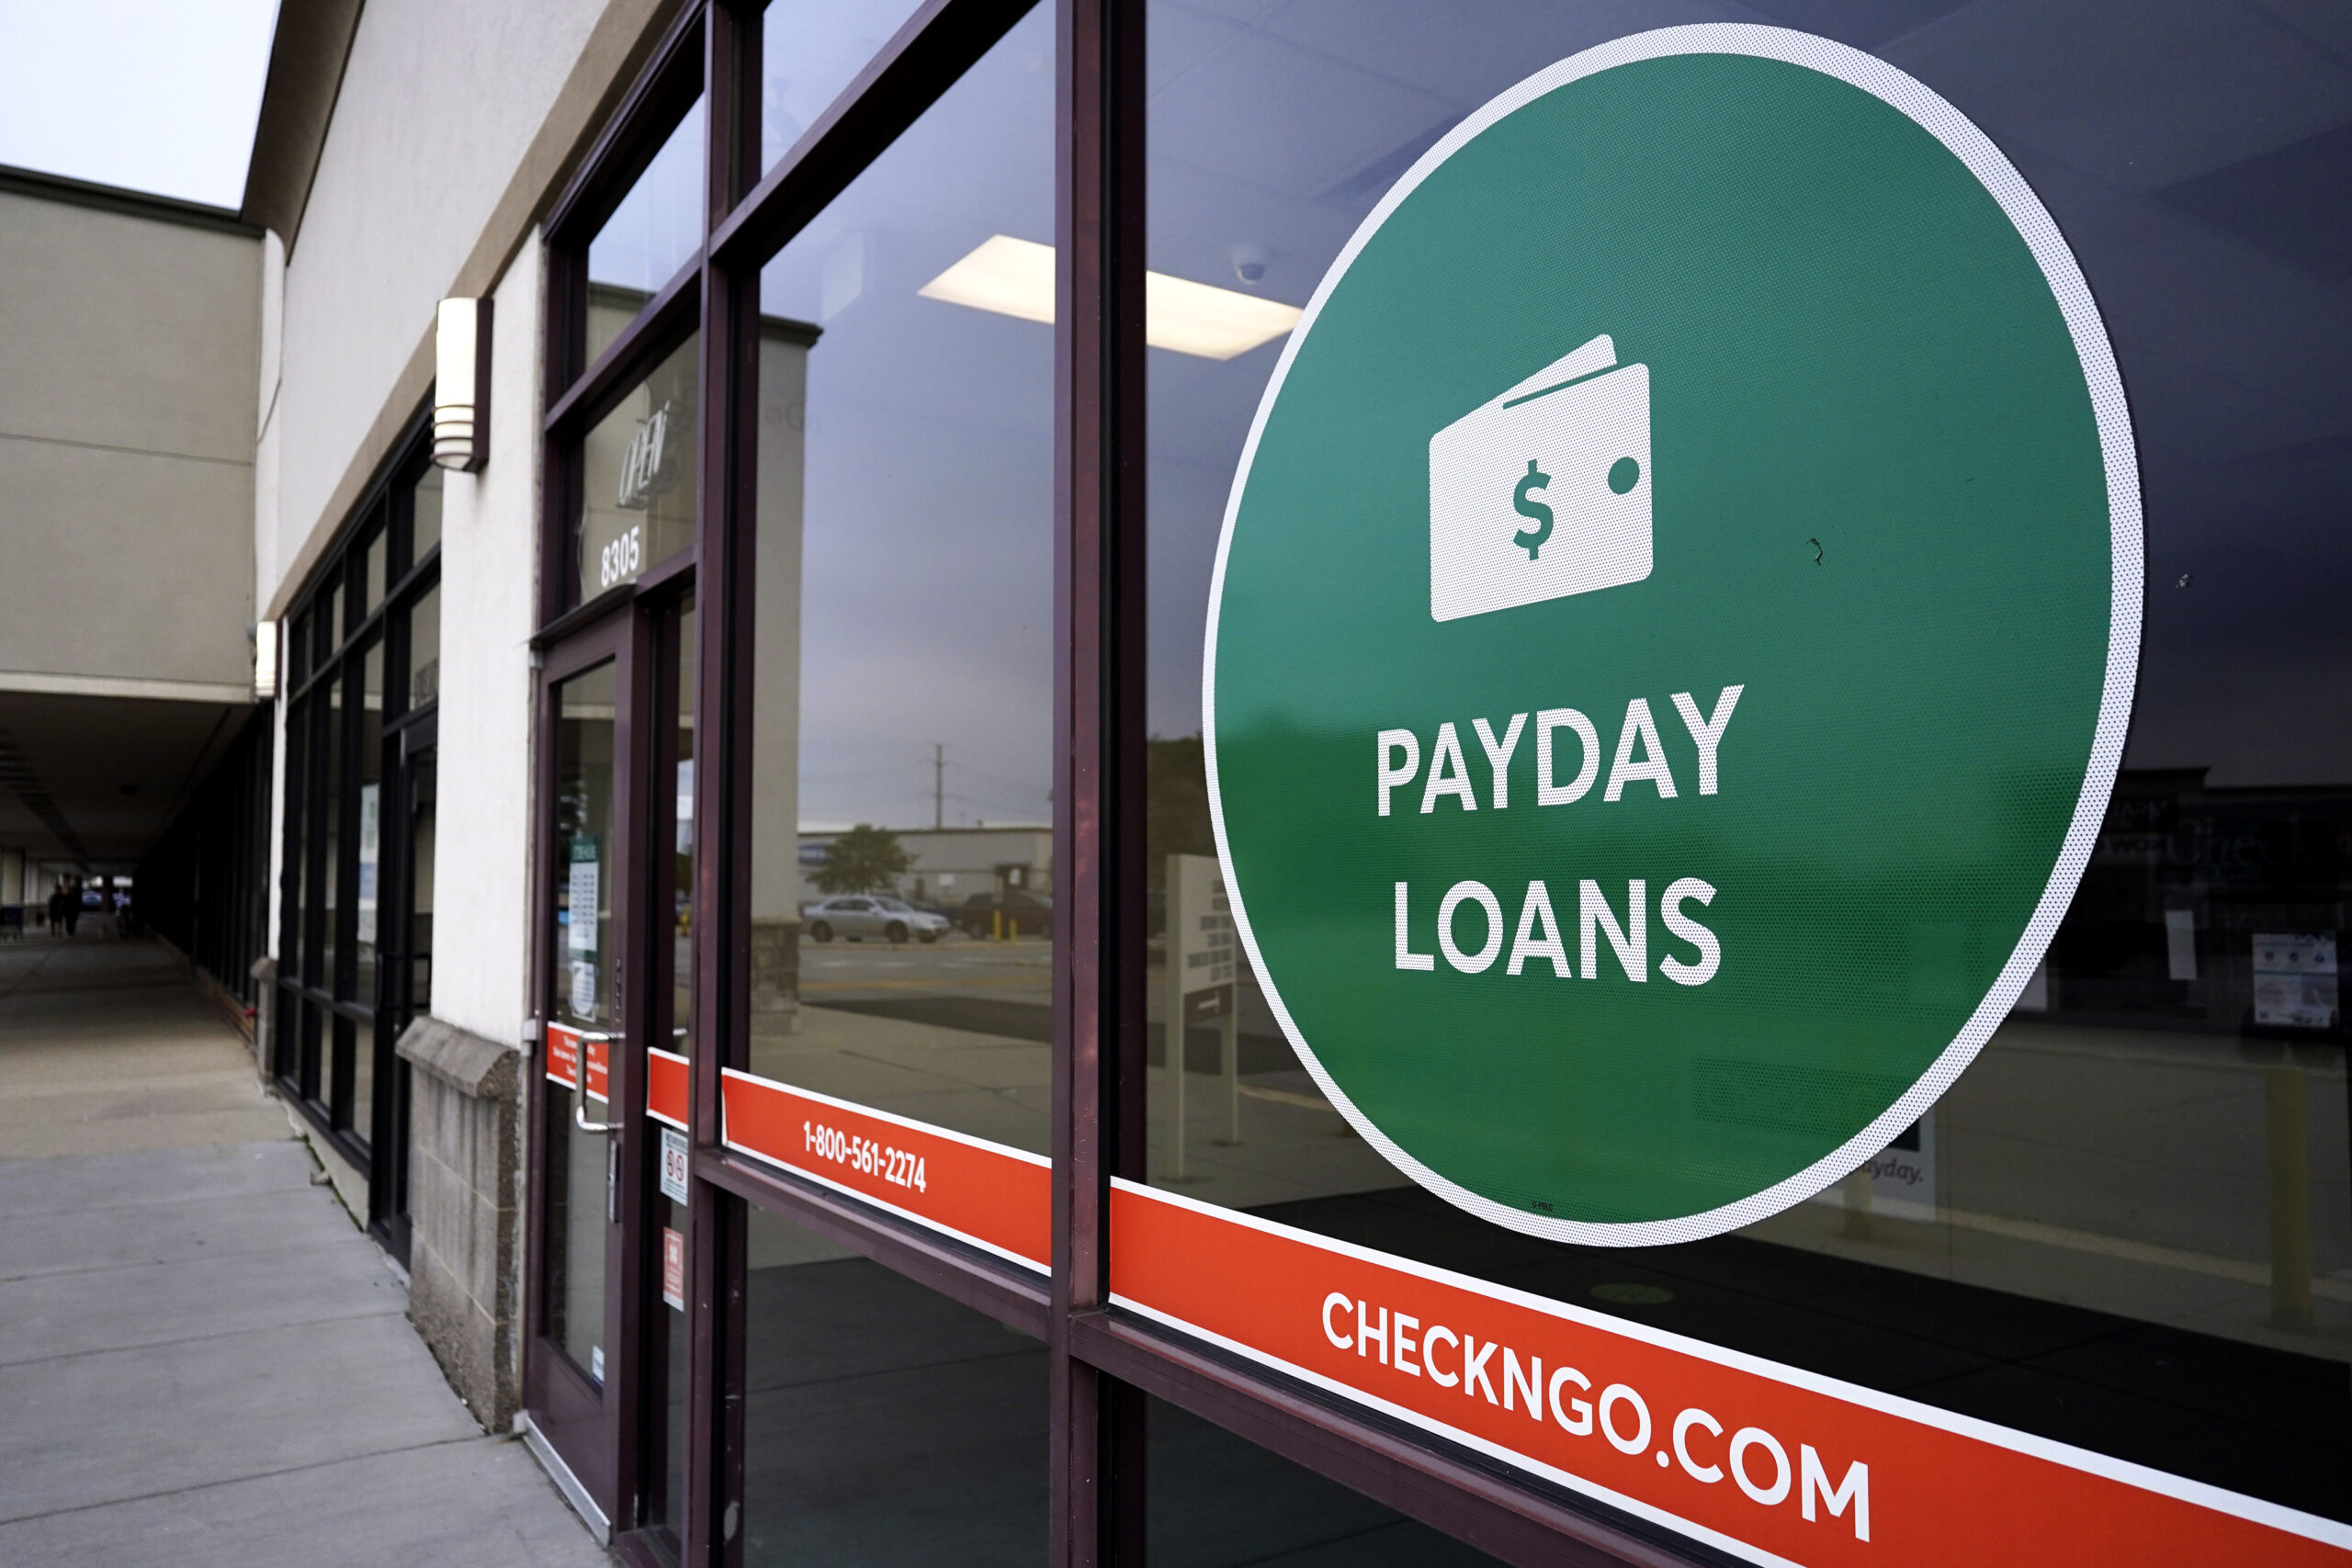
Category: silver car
[856,915]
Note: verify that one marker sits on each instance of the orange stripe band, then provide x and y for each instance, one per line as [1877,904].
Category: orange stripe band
[1766,1461]
[993,1197]
[564,1043]
[665,1088]
[564,1055]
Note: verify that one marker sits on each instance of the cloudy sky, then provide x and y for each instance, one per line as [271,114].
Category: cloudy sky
[152,95]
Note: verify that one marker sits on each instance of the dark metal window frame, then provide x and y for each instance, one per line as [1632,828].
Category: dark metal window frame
[321,1022]
[1102,1363]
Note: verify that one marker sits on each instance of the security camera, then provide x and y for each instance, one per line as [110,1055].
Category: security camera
[1251,261]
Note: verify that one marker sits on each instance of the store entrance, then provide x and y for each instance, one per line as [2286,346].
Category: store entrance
[614,971]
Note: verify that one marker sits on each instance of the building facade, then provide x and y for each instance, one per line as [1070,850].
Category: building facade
[127,623]
[860,387]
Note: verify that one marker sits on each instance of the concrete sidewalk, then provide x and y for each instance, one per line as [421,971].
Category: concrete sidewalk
[202,1359]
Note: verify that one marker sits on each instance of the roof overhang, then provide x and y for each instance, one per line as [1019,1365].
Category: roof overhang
[307,55]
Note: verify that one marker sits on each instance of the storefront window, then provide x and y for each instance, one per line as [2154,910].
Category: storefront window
[881,1419]
[902,881]
[424,648]
[424,524]
[328,629]
[639,476]
[332,743]
[2105,1222]
[372,571]
[809,51]
[648,237]
[291,945]
[355,947]
[368,889]
[423,803]
[1214,1500]
[2137,1195]
[298,651]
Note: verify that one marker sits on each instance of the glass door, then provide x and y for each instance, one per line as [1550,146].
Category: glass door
[606,1369]
[576,1381]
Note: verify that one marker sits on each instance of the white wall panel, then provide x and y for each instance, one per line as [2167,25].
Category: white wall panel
[489,574]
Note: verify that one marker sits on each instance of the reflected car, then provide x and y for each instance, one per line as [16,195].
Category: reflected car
[1021,911]
[859,915]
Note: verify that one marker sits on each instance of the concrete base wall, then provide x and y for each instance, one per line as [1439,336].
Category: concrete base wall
[465,1192]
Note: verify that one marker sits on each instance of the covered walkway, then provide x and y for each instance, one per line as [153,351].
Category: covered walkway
[202,1359]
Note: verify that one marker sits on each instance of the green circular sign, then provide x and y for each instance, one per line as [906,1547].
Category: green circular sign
[1673,634]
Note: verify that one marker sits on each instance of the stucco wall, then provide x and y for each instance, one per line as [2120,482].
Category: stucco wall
[440,101]
[128,354]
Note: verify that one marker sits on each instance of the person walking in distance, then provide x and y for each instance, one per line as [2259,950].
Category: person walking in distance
[57,908]
[73,906]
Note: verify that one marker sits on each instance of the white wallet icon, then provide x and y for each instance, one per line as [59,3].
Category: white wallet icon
[1544,491]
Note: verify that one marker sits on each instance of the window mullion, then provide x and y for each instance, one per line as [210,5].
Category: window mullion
[1098,763]
[724,588]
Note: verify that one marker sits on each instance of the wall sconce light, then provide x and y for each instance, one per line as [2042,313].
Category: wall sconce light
[265,660]
[461,385]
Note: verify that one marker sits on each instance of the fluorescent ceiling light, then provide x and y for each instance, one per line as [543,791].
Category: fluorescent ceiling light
[1015,278]
[1215,323]
[1010,276]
